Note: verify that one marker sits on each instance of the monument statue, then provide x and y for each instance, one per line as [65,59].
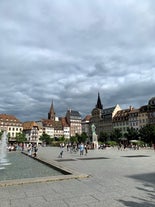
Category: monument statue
[94,136]
[93,127]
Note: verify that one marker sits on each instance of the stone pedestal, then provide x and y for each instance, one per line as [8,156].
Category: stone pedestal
[95,140]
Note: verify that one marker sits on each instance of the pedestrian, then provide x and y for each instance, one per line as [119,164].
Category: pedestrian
[35,151]
[86,149]
[81,149]
[61,153]
[29,149]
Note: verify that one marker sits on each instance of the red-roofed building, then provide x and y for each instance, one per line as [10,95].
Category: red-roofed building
[31,130]
[11,125]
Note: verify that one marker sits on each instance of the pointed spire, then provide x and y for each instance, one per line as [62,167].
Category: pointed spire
[51,114]
[99,104]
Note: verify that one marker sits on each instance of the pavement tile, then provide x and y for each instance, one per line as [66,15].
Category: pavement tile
[4,202]
[125,179]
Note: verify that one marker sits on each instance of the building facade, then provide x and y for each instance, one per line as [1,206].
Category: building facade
[31,131]
[108,116]
[86,128]
[151,111]
[11,125]
[103,118]
[74,121]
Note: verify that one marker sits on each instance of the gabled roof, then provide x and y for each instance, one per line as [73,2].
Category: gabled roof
[121,115]
[134,111]
[57,125]
[47,122]
[29,125]
[74,113]
[143,108]
[64,122]
[87,118]
[108,111]
[9,118]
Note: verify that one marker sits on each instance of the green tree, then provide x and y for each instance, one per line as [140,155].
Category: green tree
[1,135]
[147,134]
[82,138]
[20,137]
[73,139]
[62,139]
[132,133]
[103,137]
[115,135]
[45,138]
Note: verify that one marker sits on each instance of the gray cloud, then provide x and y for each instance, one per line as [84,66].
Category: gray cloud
[68,51]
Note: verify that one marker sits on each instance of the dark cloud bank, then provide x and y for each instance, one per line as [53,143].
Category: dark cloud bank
[68,51]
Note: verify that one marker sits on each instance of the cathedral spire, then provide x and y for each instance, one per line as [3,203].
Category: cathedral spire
[99,104]
[51,114]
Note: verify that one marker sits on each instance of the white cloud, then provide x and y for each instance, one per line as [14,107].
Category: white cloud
[67,51]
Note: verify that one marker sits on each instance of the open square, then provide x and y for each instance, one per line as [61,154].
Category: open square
[117,181]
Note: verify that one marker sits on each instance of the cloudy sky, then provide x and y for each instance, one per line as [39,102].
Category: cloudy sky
[69,50]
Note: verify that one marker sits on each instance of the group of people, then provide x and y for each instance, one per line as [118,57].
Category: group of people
[32,150]
[82,148]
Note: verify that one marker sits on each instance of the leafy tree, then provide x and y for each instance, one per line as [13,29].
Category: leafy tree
[83,137]
[62,139]
[1,135]
[20,137]
[103,137]
[115,135]
[45,138]
[147,134]
[132,133]
[73,139]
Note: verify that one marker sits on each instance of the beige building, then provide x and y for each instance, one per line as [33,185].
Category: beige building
[56,127]
[11,125]
[66,128]
[121,120]
[143,116]
[134,119]
[108,115]
[31,131]
[47,127]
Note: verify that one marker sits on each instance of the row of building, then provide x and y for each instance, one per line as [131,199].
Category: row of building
[105,120]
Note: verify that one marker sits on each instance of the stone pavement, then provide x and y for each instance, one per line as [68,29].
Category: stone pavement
[116,178]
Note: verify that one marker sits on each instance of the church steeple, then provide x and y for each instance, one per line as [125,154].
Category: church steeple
[51,114]
[99,104]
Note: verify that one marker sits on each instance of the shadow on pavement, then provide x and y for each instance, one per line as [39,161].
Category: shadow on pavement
[148,188]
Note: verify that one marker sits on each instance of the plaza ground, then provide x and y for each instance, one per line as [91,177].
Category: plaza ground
[114,179]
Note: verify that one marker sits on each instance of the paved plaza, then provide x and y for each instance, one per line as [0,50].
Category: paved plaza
[113,178]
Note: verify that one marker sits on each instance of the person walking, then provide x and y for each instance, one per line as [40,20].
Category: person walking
[86,149]
[81,149]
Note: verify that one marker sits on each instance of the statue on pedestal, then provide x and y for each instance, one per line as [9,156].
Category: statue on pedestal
[94,136]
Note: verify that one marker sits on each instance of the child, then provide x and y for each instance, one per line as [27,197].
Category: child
[61,153]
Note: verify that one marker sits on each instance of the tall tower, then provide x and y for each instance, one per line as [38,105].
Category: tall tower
[51,113]
[99,104]
[96,118]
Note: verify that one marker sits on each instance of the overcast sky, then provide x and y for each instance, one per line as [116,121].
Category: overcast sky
[69,50]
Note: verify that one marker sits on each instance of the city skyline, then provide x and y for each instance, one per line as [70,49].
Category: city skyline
[69,51]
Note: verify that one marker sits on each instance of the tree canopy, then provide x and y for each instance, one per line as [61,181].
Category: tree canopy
[45,138]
